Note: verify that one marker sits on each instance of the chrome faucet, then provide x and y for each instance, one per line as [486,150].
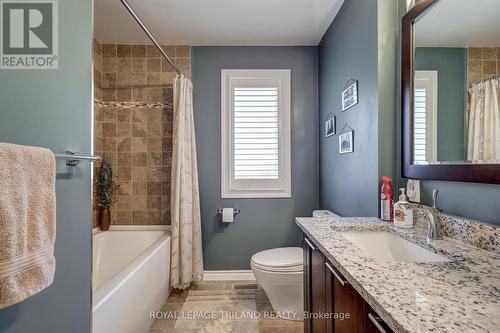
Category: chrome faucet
[433,221]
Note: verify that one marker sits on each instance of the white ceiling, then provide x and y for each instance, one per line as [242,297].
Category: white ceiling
[460,23]
[217,22]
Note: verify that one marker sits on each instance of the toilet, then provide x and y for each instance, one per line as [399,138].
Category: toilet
[279,272]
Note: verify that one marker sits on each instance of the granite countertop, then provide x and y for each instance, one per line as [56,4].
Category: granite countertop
[462,295]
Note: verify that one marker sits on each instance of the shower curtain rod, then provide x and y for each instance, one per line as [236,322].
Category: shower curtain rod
[146,30]
[494,77]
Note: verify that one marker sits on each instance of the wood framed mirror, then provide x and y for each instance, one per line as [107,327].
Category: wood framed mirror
[450,118]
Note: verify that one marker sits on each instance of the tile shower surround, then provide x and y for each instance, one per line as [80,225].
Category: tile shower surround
[482,63]
[133,126]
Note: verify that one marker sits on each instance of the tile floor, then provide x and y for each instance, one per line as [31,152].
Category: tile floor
[220,307]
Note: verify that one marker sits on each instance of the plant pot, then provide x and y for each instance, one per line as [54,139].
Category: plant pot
[104,219]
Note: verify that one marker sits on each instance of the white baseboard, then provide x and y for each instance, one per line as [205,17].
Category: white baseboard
[237,275]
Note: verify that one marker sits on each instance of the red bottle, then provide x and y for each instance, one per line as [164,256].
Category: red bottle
[386,199]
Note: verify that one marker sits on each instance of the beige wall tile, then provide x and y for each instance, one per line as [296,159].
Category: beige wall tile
[109,129]
[475,53]
[154,65]
[139,174]
[125,188]
[139,145]
[139,188]
[124,217]
[139,65]
[124,159]
[124,173]
[124,145]
[154,188]
[489,67]
[109,50]
[182,51]
[138,51]
[137,140]
[124,51]
[139,202]
[139,129]
[489,53]
[154,158]
[154,145]
[140,95]
[123,79]
[154,217]
[124,203]
[139,159]
[154,79]
[123,95]
[109,80]
[109,65]
[139,115]
[139,217]
[123,115]
[139,79]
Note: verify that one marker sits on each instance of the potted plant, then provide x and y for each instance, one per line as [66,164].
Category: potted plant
[105,190]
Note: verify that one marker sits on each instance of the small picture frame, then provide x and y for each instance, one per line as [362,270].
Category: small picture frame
[330,129]
[346,142]
[350,95]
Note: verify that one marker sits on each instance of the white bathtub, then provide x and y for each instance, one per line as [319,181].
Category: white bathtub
[131,274]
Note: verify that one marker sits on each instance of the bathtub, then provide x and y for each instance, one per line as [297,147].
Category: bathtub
[131,274]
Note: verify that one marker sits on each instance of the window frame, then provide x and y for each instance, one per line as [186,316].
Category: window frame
[428,79]
[256,188]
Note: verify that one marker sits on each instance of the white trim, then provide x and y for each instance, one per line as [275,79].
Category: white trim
[280,188]
[235,275]
[431,77]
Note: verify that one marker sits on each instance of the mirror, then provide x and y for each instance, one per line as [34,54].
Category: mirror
[451,107]
[456,71]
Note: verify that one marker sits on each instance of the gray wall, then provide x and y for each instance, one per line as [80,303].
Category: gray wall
[451,64]
[262,223]
[475,201]
[53,109]
[349,183]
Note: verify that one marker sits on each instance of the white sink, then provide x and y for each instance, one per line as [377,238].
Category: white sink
[385,246]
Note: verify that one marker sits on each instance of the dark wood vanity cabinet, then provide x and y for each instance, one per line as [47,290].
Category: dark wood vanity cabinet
[326,291]
[314,287]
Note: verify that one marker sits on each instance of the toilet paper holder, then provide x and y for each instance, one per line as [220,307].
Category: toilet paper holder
[235,211]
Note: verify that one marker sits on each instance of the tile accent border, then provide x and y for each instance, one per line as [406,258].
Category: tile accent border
[129,105]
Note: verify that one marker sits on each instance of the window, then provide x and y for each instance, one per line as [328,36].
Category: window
[425,117]
[255,123]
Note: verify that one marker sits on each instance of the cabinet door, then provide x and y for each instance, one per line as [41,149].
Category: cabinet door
[348,305]
[307,284]
[316,288]
[373,323]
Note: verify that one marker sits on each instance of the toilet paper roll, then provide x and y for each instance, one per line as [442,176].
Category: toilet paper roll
[227,215]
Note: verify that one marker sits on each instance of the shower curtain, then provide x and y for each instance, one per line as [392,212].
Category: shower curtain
[484,122]
[187,258]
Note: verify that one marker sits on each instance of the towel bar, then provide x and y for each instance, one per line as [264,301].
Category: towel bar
[72,158]
[235,211]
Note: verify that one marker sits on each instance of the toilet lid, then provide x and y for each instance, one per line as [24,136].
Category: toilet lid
[283,257]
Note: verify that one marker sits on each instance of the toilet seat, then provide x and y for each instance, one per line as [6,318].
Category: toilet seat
[284,259]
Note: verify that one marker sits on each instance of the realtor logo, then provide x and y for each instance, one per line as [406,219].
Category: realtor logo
[29,35]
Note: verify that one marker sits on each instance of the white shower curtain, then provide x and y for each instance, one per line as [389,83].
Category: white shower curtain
[187,258]
[484,122]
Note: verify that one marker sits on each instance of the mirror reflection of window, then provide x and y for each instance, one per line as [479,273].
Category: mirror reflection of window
[425,117]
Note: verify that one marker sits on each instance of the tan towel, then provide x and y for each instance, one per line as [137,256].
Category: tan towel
[27,221]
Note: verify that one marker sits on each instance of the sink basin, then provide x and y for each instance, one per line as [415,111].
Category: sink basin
[385,246]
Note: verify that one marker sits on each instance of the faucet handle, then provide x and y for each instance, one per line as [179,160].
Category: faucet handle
[434,198]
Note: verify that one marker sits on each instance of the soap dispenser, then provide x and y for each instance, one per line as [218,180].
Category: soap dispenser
[403,213]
